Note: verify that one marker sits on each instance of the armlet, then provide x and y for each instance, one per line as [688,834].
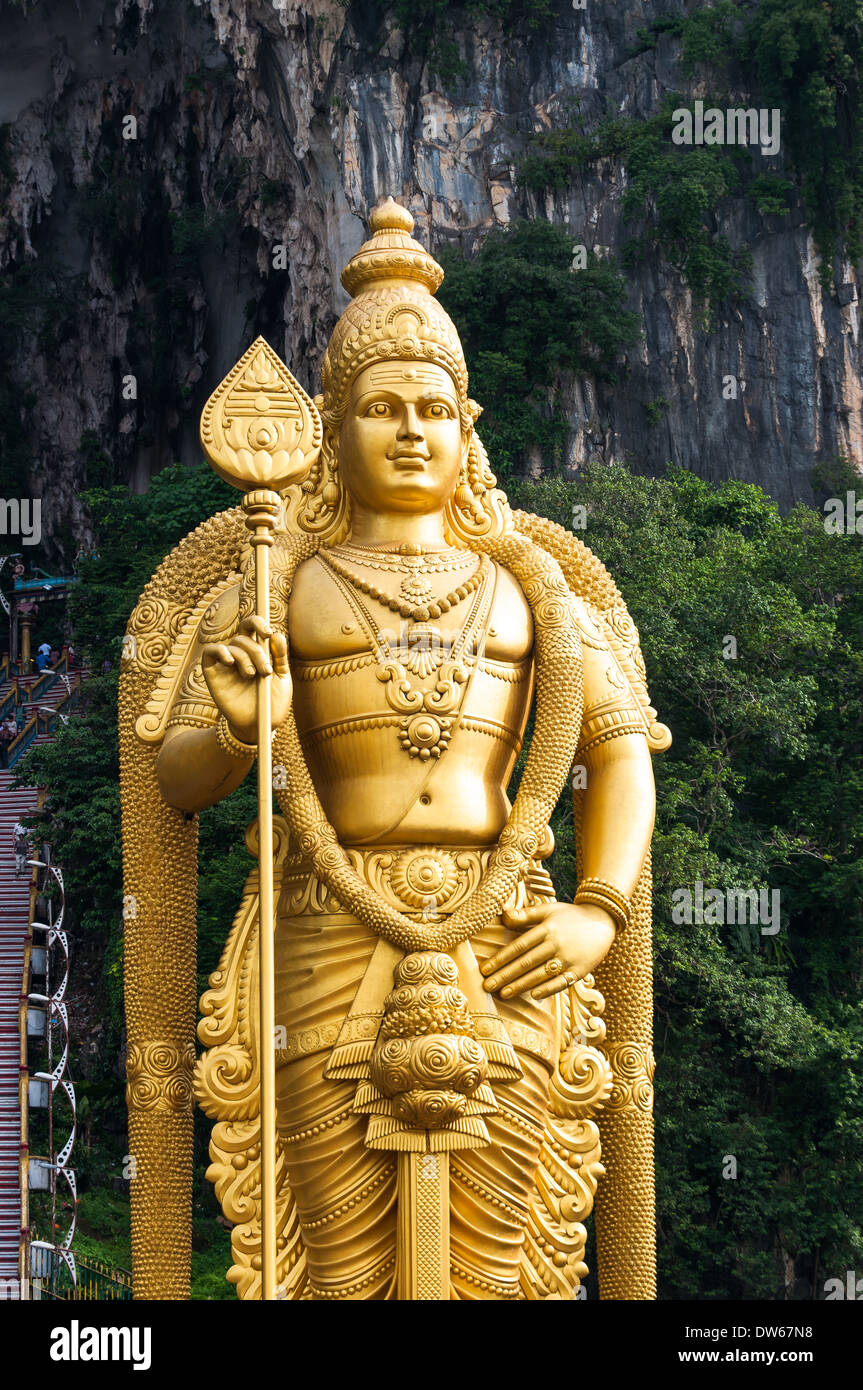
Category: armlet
[611,719]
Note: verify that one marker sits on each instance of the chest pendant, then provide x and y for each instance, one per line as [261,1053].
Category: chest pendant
[426,725]
[428,717]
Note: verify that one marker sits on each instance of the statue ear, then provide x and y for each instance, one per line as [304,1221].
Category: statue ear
[475,410]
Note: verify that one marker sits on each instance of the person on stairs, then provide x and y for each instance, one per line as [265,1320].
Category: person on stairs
[22,849]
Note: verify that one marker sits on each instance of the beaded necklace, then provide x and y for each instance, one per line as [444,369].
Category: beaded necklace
[412,588]
[429,562]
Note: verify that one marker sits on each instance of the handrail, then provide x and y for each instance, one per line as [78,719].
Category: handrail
[23,1096]
[95,1280]
[31,729]
[21,742]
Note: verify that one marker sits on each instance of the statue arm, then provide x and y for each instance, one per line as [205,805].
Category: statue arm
[613,767]
[618,810]
[197,767]
[194,771]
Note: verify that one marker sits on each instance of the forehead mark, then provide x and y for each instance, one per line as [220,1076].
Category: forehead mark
[395,376]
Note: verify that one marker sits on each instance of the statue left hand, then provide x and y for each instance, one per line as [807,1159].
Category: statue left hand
[575,937]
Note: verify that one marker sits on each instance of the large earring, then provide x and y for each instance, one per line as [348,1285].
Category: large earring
[332,491]
[325,513]
[477,508]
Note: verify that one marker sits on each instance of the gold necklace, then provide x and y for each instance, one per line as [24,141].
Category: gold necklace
[405,548]
[428,717]
[413,588]
[429,562]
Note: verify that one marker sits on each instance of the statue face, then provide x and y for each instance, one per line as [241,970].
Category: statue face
[400,443]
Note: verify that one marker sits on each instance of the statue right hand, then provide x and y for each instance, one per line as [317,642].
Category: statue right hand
[231,670]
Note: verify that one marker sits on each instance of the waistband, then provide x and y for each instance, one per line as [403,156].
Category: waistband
[425,882]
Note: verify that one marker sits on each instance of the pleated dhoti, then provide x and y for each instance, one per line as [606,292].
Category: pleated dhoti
[346,1193]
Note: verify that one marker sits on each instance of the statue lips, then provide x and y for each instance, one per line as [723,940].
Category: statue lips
[410,463]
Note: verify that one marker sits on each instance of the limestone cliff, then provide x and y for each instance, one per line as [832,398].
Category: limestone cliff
[261,124]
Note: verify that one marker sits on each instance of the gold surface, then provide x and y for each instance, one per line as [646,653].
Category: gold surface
[385,860]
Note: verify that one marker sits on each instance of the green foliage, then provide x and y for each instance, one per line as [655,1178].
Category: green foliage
[98,468]
[553,156]
[524,314]
[759,1038]
[196,230]
[103,1229]
[35,299]
[7,170]
[709,35]
[798,56]
[834,477]
[429,24]
[126,211]
[671,198]
[806,59]
[655,410]
[673,193]
[645,39]
[771,194]
[103,1234]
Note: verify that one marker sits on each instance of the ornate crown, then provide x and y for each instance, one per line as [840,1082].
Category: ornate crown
[393,312]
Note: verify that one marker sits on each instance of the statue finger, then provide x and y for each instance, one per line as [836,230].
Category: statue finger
[550,987]
[215,653]
[535,981]
[513,949]
[510,962]
[244,663]
[279,654]
[517,918]
[525,966]
[255,625]
[257,655]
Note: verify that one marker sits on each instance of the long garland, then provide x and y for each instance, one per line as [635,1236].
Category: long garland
[559,704]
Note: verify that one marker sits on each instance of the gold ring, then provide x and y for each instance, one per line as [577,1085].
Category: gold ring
[553,967]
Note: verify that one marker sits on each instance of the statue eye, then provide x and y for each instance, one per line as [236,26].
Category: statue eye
[438,411]
[379,410]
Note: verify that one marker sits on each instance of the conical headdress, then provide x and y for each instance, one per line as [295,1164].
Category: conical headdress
[393,312]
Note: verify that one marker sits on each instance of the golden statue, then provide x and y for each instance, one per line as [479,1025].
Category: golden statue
[453,1049]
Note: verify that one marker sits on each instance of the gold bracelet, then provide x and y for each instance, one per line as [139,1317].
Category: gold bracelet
[231,745]
[601,893]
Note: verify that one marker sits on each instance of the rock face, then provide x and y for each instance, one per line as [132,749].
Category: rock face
[262,134]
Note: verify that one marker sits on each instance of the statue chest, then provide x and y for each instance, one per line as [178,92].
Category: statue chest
[391,707]
[353,659]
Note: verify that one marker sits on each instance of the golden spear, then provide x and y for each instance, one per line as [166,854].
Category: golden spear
[261,432]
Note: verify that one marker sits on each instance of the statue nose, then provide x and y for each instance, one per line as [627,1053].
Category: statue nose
[410,427]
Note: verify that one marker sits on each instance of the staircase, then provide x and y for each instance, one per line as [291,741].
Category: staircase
[14,930]
[14,937]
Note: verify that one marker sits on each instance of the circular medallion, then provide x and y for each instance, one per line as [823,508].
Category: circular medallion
[425,736]
[422,876]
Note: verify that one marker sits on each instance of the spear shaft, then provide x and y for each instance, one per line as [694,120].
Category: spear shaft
[261,508]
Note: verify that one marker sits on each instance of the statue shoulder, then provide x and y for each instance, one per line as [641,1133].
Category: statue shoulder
[318,616]
[510,630]
[589,623]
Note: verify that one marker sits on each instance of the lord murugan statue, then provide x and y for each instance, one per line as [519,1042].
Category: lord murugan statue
[462,1063]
